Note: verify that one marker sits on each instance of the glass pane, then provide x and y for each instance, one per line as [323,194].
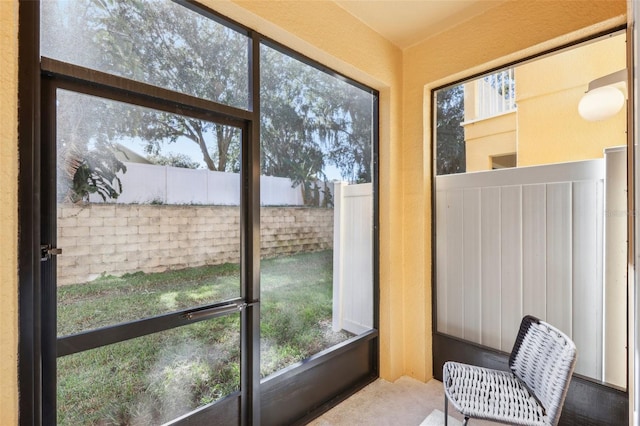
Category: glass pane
[317,211]
[148,212]
[528,115]
[531,206]
[155,42]
[151,379]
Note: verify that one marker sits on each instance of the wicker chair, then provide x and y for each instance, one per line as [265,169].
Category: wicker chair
[532,393]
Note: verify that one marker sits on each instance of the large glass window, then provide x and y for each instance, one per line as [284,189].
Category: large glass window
[124,216]
[156,42]
[143,196]
[317,246]
[531,206]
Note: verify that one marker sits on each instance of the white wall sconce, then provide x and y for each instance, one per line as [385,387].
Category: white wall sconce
[605,97]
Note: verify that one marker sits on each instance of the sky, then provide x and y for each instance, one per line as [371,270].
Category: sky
[192,150]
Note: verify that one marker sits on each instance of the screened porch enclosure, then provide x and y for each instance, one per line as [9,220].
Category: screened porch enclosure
[186,171]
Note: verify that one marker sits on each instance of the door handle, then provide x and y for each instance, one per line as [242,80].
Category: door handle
[217,311]
[46,251]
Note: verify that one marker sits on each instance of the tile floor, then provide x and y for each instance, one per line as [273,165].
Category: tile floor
[405,402]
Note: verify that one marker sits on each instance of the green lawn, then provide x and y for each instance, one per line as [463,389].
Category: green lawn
[156,378]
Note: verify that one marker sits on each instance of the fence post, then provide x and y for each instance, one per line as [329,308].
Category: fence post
[615,271]
[337,254]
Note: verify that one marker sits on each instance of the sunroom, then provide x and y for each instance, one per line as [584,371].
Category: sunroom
[242,212]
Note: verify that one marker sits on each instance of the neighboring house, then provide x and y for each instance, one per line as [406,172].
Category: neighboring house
[127,155]
[543,126]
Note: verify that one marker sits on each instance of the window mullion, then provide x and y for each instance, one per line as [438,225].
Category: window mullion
[123,89]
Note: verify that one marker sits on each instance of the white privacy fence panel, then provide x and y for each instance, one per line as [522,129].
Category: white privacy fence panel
[523,241]
[353,257]
[150,183]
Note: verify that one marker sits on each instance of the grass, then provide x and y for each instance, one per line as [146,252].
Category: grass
[109,300]
[155,378]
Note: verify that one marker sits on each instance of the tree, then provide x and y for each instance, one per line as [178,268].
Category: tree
[345,126]
[450,145]
[309,120]
[288,146]
[86,160]
[92,172]
[175,160]
[167,45]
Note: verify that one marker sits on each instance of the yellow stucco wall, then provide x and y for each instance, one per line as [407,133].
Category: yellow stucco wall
[325,32]
[549,90]
[485,138]
[8,213]
[549,128]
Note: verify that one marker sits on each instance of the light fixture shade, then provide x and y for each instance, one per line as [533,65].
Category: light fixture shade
[601,103]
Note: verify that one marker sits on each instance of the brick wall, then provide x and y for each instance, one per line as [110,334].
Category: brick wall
[114,239]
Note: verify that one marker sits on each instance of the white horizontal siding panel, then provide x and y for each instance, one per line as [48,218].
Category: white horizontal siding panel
[561,172]
[524,241]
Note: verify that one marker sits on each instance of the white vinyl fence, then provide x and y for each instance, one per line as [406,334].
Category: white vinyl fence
[531,240]
[150,183]
[353,257]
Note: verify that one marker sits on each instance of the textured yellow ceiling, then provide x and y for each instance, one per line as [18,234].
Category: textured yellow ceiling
[406,22]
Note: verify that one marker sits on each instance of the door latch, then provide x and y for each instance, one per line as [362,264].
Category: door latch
[46,251]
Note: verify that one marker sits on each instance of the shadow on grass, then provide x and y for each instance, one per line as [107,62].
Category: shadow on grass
[155,378]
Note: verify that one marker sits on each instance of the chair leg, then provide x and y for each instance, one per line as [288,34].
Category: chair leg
[466,420]
[446,410]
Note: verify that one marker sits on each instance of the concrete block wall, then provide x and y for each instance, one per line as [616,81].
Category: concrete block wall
[289,230]
[115,239]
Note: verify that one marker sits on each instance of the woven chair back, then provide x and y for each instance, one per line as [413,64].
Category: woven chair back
[543,357]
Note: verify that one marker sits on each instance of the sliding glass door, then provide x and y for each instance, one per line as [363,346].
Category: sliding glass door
[149,292]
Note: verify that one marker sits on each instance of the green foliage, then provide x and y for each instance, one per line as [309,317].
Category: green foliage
[450,145]
[170,46]
[175,160]
[91,172]
[311,120]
